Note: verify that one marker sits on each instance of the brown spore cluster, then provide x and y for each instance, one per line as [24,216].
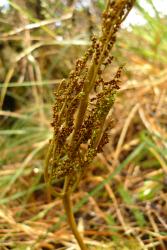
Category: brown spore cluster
[81,112]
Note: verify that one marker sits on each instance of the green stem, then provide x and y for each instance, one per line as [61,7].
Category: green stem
[68,209]
[46,175]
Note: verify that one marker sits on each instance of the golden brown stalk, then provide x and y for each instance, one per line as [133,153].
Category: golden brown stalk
[81,111]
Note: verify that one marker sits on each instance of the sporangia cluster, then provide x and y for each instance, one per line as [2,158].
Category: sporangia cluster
[81,112]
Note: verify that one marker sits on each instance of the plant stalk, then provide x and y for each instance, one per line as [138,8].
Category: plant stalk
[68,209]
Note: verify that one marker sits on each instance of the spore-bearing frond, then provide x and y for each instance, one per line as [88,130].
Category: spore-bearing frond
[84,100]
[82,112]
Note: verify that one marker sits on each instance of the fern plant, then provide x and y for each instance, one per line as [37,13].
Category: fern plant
[81,112]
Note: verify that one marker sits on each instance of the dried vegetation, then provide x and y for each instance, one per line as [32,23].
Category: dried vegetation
[122,201]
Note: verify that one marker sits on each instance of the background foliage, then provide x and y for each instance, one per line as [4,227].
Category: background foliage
[122,201]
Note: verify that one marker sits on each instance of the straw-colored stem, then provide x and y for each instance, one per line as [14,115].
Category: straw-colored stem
[68,209]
